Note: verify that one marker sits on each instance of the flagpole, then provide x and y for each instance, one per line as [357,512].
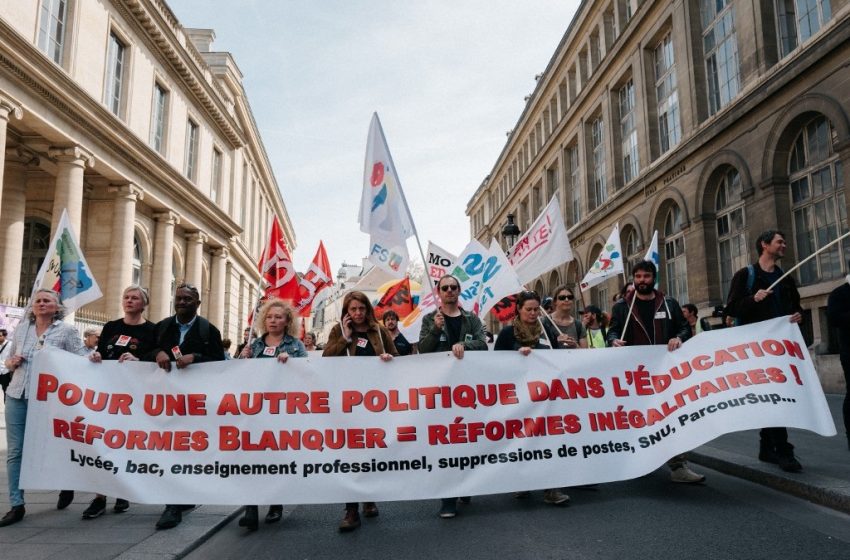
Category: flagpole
[628,317]
[807,259]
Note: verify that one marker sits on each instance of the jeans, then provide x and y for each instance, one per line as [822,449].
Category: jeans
[16,421]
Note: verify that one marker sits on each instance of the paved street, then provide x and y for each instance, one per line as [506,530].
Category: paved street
[730,517]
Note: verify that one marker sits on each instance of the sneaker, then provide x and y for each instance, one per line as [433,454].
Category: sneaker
[96,508]
[65,499]
[789,463]
[522,495]
[685,475]
[121,505]
[448,508]
[351,521]
[555,497]
[275,514]
[370,509]
[170,518]
[251,518]
[13,515]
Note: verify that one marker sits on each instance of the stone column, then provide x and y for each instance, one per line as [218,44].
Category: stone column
[195,259]
[163,263]
[121,257]
[12,224]
[7,109]
[69,185]
[216,304]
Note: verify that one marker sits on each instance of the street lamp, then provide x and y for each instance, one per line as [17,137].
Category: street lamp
[511,231]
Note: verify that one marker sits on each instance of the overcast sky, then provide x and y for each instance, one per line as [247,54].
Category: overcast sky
[447,79]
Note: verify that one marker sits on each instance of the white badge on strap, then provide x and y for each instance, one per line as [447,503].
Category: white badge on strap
[361,342]
[269,351]
[123,340]
[660,314]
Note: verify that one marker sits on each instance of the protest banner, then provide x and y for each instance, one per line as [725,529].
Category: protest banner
[417,427]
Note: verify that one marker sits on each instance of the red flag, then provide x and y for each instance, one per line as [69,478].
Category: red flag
[396,298]
[317,277]
[277,268]
[505,309]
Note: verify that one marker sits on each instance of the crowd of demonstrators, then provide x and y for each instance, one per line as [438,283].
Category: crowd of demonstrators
[648,316]
[526,334]
[127,339]
[404,346]
[450,328]
[277,340]
[571,333]
[751,301]
[359,334]
[41,327]
[838,311]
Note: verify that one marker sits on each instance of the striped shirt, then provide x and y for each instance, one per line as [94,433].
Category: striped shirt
[25,343]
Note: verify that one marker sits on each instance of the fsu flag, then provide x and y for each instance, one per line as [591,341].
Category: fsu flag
[384,214]
[277,268]
[65,269]
[398,299]
[317,278]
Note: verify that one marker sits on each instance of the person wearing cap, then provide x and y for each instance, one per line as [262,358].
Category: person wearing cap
[595,324]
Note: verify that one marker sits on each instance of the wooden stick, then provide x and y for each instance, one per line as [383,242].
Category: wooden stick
[807,259]
[628,317]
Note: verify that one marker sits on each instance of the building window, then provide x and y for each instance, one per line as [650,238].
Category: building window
[632,251]
[628,132]
[675,264]
[731,228]
[116,58]
[36,242]
[159,117]
[137,261]
[215,184]
[817,201]
[597,144]
[51,29]
[720,47]
[798,20]
[602,298]
[243,205]
[575,183]
[192,133]
[667,95]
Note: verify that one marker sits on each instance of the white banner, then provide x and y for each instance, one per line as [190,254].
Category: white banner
[318,430]
[543,247]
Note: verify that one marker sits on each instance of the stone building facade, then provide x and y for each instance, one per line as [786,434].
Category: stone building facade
[706,120]
[118,113]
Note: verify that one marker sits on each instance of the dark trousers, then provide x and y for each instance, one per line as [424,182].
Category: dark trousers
[776,439]
[845,365]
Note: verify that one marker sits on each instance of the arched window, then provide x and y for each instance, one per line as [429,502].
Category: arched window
[676,268]
[731,228]
[817,201]
[36,242]
[137,261]
[632,249]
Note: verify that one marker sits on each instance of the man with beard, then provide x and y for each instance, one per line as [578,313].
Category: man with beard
[185,338]
[655,319]
[750,301]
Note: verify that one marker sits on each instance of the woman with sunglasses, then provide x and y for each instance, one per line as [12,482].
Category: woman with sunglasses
[525,334]
[359,334]
[570,332]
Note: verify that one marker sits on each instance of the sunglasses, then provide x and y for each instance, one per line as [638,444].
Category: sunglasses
[449,288]
[564,298]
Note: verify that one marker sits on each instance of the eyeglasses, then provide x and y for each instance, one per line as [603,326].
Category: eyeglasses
[566,297]
[449,288]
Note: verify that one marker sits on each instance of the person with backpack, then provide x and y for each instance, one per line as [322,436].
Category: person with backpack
[185,338]
[750,301]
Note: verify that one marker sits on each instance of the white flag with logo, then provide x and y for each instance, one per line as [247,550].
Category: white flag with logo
[609,263]
[485,277]
[653,256]
[543,247]
[384,214]
[440,262]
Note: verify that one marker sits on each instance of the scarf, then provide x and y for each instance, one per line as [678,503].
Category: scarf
[525,334]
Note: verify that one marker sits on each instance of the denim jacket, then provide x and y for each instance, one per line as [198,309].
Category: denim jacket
[289,344]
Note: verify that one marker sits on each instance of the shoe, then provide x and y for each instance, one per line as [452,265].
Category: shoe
[466,500]
[65,499]
[351,521]
[121,505]
[250,519]
[768,455]
[170,518]
[555,497]
[274,515]
[186,507]
[522,495]
[448,509]
[13,516]
[96,508]
[685,475]
[370,509]
[789,463]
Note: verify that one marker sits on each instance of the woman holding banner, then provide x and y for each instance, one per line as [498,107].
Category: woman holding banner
[278,341]
[126,340]
[42,326]
[525,334]
[570,332]
[359,334]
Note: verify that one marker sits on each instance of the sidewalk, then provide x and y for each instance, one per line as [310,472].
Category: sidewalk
[48,533]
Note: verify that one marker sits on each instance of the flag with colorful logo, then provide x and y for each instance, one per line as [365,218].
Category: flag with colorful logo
[65,269]
[384,214]
[276,267]
[440,262]
[317,278]
[609,263]
[398,298]
[543,247]
[485,277]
